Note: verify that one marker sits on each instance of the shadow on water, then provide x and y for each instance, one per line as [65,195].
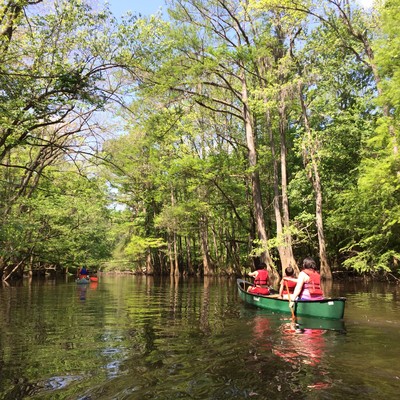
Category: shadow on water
[161,338]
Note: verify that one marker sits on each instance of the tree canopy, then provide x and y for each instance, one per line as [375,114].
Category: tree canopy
[244,131]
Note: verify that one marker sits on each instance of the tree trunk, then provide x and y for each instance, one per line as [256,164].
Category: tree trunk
[276,205]
[173,250]
[176,261]
[287,237]
[190,269]
[255,183]
[310,157]
[207,264]
[17,270]
[149,264]
[326,272]
[171,258]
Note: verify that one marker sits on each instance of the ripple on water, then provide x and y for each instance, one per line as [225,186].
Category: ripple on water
[133,339]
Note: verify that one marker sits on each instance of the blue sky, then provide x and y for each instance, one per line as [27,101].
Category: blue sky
[144,7]
[148,7]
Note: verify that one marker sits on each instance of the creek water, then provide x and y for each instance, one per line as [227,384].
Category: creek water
[129,337]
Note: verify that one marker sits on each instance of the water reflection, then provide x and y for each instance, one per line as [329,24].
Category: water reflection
[82,290]
[301,332]
[300,345]
[299,350]
[162,338]
[93,285]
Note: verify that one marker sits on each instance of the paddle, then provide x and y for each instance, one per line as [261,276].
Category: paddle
[288,293]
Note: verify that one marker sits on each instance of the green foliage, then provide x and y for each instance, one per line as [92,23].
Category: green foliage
[64,224]
[55,74]
[371,214]
[367,216]
[186,165]
[387,50]
[138,246]
[182,171]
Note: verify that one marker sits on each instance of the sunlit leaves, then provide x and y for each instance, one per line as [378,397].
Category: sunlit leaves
[138,246]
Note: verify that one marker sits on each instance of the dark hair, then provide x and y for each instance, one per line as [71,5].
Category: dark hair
[263,265]
[309,263]
[289,271]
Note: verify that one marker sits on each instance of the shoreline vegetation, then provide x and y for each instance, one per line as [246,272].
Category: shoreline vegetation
[228,135]
[338,275]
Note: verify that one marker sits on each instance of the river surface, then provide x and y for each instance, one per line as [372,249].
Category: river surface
[129,337]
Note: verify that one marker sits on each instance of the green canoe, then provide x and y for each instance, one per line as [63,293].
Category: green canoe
[327,308]
[82,281]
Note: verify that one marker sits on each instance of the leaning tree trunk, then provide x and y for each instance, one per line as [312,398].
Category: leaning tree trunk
[13,271]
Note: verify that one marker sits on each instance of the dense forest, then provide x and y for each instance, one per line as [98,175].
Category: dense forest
[202,140]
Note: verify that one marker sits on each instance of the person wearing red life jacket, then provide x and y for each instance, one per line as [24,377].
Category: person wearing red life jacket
[261,281]
[308,285]
[82,273]
[288,282]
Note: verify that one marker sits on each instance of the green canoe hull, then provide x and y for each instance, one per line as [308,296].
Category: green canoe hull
[82,281]
[328,308]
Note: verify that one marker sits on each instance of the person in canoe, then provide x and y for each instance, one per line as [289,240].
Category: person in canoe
[288,283]
[308,285]
[261,281]
[83,273]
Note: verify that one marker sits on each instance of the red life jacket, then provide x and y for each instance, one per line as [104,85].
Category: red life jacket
[290,285]
[262,277]
[314,284]
[259,290]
